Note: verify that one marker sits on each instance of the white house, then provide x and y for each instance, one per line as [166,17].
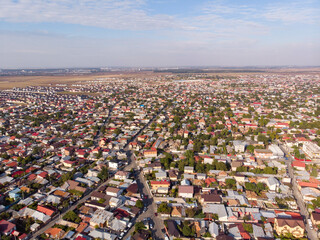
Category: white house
[218,209]
[114,192]
[186,191]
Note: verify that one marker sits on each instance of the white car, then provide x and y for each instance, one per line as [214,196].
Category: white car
[310,224]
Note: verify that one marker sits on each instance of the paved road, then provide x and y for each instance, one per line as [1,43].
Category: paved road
[149,203]
[158,224]
[106,120]
[74,206]
[141,183]
[312,234]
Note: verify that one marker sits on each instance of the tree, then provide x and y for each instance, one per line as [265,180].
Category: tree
[186,230]
[314,172]
[247,227]
[250,148]
[139,204]
[190,212]
[139,226]
[164,208]
[230,183]
[72,216]
[104,174]
[117,131]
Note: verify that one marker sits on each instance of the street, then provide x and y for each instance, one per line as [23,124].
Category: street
[151,206]
[312,234]
[149,203]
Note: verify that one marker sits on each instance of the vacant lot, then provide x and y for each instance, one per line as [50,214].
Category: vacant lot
[23,81]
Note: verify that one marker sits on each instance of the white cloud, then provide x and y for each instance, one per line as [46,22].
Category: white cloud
[112,14]
[292,14]
[219,34]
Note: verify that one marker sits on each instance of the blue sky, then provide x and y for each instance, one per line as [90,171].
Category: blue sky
[93,33]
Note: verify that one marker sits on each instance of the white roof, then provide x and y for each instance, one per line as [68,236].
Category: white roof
[118,225]
[214,229]
[40,216]
[5,179]
[219,209]
[102,235]
[257,231]
[100,216]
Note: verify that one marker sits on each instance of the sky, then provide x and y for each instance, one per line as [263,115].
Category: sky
[158,33]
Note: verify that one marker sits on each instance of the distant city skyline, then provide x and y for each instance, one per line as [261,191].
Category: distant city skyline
[159,33]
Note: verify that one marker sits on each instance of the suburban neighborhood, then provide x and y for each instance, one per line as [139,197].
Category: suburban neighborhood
[189,156]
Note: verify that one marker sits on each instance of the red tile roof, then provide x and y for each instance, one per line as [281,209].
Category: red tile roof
[6,227]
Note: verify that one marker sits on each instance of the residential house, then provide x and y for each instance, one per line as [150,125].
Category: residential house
[218,209]
[263,153]
[121,175]
[101,218]
[156,184]
[6,228]
[315,218]
[55,233]
[284,226]
[150,153]
[112,191]
[186,191]
[188,169]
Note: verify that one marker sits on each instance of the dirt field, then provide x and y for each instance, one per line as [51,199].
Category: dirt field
[24,81]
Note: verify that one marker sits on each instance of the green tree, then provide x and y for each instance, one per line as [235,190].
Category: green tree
[139,204]
[186,230]
[72,216]
[139,226]
[314,172]
[190,212]
[104,174]
[164,208]
[250,148]
[231,183]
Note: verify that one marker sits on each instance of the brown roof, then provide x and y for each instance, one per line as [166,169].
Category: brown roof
[211,198]
[82,226]
[316,216]
[292,223]
[113,189]
[186,189]
[61,193]
[135,210]
[172,174]
[224,237]
[133,188]
[72,184]
[86,210]
[236,164]
[98,195]
[172,229]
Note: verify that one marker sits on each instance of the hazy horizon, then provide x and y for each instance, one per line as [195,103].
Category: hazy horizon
[159,33]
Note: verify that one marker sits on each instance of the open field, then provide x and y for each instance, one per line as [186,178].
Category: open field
[24,81]
[7,82]
[78,93]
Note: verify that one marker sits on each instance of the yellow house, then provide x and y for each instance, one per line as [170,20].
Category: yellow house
[284,226]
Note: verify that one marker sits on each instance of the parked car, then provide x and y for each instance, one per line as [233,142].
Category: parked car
[310,224]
